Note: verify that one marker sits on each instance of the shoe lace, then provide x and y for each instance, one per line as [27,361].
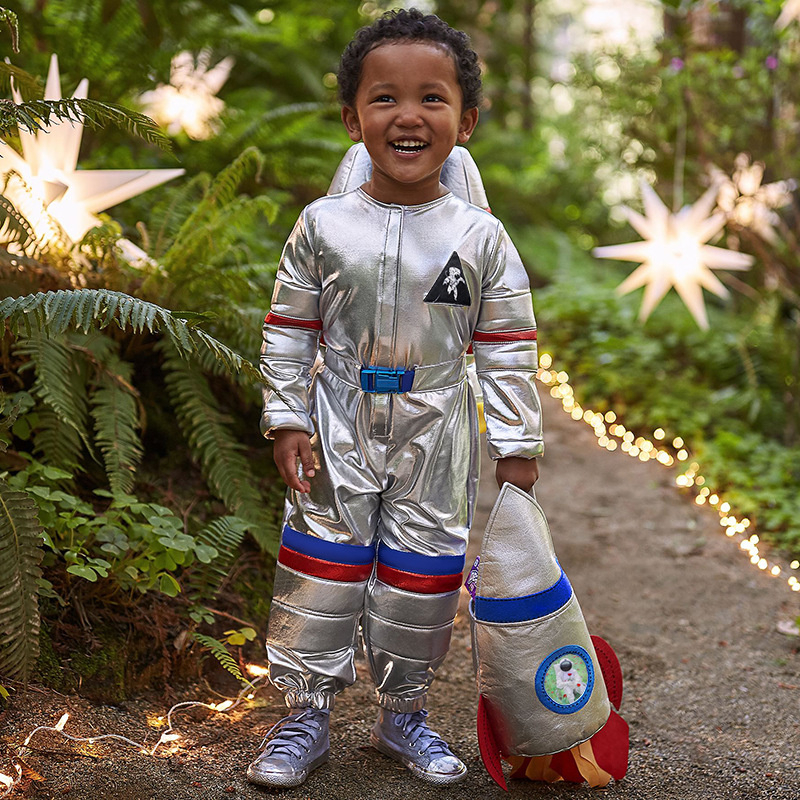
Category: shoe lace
[293,733]
[420,736]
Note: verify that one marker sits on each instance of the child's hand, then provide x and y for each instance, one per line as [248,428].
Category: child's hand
[521,472]
[289,446]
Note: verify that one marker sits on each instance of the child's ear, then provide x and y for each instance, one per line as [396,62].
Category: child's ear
[469,120]
[350,120]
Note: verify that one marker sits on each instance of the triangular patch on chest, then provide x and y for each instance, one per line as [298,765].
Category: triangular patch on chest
[451,285]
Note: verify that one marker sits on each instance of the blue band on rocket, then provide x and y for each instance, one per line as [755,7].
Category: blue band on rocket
[528,607]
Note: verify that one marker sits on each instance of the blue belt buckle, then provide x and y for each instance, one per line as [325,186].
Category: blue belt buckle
[382,380]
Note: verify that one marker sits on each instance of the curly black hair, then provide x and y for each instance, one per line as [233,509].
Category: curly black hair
[410,25]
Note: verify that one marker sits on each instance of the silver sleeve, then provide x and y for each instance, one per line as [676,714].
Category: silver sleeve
[291,335]
[506,356]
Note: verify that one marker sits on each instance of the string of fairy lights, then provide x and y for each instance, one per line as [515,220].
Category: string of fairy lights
[168,735]
[612,434]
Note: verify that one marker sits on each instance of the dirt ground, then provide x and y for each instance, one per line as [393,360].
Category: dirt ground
[712,690]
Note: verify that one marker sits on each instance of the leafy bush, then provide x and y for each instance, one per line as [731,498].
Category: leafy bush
[722,391]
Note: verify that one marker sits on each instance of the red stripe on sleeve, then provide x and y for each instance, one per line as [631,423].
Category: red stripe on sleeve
[422,584]
[495,337]
[293,322]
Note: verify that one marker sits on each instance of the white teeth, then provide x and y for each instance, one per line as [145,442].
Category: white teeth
[409,144]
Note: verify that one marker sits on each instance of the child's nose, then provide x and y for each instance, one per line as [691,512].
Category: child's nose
[409,115]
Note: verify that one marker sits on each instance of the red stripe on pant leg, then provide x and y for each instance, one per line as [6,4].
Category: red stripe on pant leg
[422,584]
[308,565]
[293,322]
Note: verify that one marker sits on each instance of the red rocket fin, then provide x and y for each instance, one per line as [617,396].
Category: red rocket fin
[612,672]
[611,744]
[490,752]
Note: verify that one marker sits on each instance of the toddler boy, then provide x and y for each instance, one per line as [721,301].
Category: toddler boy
[398,279]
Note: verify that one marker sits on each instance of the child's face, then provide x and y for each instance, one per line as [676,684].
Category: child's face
[408,111]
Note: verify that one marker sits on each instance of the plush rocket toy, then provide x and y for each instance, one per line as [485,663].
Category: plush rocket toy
[546,688]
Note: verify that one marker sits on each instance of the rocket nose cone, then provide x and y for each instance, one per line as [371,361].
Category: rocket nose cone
[517,555]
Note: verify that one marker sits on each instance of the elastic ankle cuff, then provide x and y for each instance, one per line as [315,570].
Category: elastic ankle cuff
[295,698]
[402,705]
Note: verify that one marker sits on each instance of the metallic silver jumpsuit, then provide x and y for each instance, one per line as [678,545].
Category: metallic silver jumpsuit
[397,295]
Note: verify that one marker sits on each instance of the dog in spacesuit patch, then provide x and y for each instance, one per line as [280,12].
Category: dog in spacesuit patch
[451,285]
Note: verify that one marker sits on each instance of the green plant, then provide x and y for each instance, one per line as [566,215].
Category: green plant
[723,391]
[20,556]
[81,377]
[221,654]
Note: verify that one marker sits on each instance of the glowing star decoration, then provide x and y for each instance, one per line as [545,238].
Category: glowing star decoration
[790,11]
[188,101]
[52,188]
[674,253]
[747,201]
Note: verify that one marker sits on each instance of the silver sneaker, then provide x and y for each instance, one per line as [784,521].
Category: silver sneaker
[408,739]
[295,746]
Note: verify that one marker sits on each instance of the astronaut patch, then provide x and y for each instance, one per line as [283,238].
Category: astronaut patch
[565,679]
[451,285]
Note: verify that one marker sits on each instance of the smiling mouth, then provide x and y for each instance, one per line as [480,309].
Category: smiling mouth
[408,146]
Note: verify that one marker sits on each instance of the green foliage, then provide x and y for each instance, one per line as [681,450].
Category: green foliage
[14,228]
[224,536]
[116,417]
[202,236]
[36,115]
[58,383]
[207,430]
[220,652]
[81,309]
[136,545]
[722,391]
[759,478]
[10,19]
[20,556]
[88,436]
[239,636]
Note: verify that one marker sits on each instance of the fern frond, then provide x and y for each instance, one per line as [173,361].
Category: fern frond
[37,115]
[220,652]
[207,431]
[10,19]
[28,85]
[221,192]
[56,443]
[49,234]
[57,381]
[265,123]
[15,229]
[183,199]
[116,418]
[225,535]
[20,556]
[81,309]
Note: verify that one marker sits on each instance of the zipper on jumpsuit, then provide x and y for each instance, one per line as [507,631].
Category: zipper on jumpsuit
[381,404]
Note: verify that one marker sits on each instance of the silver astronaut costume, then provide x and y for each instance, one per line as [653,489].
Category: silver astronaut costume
[397,295]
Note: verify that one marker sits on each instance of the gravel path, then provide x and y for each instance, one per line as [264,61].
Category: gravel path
[712,691]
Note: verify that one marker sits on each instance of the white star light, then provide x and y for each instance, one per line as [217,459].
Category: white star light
[674,253]
[53,189]
[748,202]
[188,101]
[790,11]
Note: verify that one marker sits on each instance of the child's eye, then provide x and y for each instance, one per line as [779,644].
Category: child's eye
[383,98]
[432,98]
